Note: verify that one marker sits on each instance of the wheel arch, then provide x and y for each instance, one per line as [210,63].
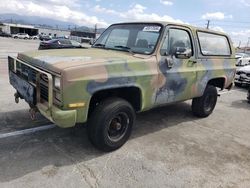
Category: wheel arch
[132,94]
[218,82]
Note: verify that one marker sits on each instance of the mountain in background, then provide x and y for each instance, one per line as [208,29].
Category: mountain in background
[45,22]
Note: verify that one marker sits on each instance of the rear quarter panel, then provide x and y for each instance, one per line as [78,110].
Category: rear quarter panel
[212,67]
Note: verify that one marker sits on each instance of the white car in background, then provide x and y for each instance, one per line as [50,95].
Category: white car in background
[242,59]
[242,76]
[21,36]
[34,37]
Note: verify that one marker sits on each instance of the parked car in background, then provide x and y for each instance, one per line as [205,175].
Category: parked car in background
[59,43]
[242,76]
[242,59]
[92,41]
[85,40]
[3,34]
[35,37]
[21,36]
[45,37]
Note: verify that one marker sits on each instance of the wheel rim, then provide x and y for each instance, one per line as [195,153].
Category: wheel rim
[209,102]
[118,127]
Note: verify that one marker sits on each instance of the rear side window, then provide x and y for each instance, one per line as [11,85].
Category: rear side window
[213,44]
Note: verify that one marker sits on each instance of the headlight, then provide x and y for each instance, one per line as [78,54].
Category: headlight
[57,82]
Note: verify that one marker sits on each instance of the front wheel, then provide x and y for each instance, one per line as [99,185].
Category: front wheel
[203,106]
[110,124]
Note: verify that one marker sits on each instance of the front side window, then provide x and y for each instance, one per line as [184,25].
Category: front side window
[213,44]
[137,38]
[176,38]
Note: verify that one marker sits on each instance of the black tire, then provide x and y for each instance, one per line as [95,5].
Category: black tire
[203,106]
[15,37]
[110,124]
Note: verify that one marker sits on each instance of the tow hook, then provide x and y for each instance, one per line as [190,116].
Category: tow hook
[32,112]
[17,96]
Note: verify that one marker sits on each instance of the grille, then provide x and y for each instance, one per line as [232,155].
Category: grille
[26,73]
[44,91]
[29,74]
[238,73]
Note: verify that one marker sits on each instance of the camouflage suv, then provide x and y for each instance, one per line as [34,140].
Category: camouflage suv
[132,67]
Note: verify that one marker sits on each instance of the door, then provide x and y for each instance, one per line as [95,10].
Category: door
[177,66]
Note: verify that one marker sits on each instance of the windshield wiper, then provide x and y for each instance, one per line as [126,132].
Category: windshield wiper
[99,45]
[123,47]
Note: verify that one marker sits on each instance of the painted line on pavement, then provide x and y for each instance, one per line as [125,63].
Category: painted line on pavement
[27,131]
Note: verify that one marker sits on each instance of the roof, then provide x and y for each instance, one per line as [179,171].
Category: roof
[164,23]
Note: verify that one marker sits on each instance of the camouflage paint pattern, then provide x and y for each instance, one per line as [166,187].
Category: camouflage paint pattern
[84,72]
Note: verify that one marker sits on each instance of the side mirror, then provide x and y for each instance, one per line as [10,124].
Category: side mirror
[183,53]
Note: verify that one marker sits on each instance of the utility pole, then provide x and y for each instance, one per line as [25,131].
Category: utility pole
[239,44]
[95,30]
[208,23]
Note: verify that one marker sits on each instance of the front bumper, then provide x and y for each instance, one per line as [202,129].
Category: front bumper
[32,90]
[62,118]
[242,79]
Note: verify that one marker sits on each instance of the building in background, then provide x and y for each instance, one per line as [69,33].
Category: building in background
[11,28]
[53,32]
[80,35]
[83,35]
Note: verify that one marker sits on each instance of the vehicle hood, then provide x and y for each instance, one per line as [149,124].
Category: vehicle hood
[245,69]
[62,59]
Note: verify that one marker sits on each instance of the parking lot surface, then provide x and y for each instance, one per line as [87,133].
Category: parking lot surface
[169,147]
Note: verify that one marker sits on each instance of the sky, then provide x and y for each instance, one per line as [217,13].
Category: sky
[230,16]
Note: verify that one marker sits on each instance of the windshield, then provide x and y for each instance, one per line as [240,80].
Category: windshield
[136,38]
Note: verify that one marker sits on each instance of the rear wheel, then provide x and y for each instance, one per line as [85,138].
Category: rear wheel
[203,106]
[110,124]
